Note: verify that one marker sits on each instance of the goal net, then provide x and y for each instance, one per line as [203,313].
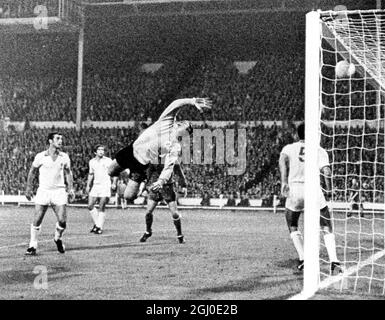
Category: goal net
[349,125]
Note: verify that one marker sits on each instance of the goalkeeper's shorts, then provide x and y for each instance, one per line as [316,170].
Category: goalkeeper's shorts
[126,159]
[295,201]
[167,193]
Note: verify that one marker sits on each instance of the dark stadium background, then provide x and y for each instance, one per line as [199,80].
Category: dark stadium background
[231,254]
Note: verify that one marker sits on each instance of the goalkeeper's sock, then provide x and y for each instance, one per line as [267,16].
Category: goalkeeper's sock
[330,243]
[94,215]
[178,225]
[34,235]
[296,236]
[149,219]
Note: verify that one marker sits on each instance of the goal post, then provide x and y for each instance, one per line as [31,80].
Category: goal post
[312,181]
[345,114]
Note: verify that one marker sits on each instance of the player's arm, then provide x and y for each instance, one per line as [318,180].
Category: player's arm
[170,160]
[173,108]
[114,183]
[326,172]
[284,172]
[182,179]
[33,171]
[70,180]
[327,177]
[149,173]
[90,179]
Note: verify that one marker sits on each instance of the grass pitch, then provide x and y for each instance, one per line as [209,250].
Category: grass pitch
[228,255]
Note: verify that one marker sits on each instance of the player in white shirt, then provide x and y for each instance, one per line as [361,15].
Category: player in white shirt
[99,187]
[292,170]
[157,140]
[54,169]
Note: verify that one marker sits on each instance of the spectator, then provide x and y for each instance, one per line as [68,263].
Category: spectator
[231,200]
[205,199]
[244,200]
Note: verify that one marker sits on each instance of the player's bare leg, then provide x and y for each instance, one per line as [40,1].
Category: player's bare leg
[114,169]
[292,218]
[93,211]
[35,228]
[151,205]
[102,215]
[361,210]
[177,220]
[61,225]
[330,241]
[131,191]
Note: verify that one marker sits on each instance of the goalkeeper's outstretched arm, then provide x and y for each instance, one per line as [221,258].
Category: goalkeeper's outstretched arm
[174,107]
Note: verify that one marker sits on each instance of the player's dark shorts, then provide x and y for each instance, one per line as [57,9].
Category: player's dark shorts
[167,193]
[356,206]
[125,158]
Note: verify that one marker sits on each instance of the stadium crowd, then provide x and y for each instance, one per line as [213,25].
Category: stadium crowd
[140,96]
[26,8]
[135,95]
[259,181]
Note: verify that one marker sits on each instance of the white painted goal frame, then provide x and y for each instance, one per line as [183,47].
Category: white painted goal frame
[315,29]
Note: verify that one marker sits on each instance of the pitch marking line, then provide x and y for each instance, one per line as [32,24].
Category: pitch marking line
[73,238]
[333,279]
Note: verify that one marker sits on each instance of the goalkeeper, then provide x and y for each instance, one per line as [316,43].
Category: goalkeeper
[157,140]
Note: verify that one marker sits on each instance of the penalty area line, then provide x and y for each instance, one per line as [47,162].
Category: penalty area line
[334,279]
[49,240]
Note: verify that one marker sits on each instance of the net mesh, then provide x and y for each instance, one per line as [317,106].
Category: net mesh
[352,132]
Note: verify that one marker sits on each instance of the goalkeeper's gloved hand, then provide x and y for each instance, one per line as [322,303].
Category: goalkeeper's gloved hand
[29,194]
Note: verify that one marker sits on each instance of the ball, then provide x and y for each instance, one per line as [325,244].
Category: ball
[345,69]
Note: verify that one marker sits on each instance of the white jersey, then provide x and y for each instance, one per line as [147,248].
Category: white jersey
[157,140]
[296,179]
[296,154]
[51,172]
[99,168]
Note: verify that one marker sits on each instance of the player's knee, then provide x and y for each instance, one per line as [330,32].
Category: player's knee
[176,216]
[114,169]
[90,207]
[130,196]
[131,191]
[62,224]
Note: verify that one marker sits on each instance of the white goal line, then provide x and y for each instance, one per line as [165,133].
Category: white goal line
[334,279]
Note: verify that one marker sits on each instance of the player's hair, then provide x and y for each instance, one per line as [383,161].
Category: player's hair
[99,146]
[143,126]
[188,126]
[51,135]
[301,131]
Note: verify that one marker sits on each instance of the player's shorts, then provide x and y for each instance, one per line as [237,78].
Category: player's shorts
[100,192]
[296,201]
[356,205]
[125,159]
[167,193]
[57,197]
